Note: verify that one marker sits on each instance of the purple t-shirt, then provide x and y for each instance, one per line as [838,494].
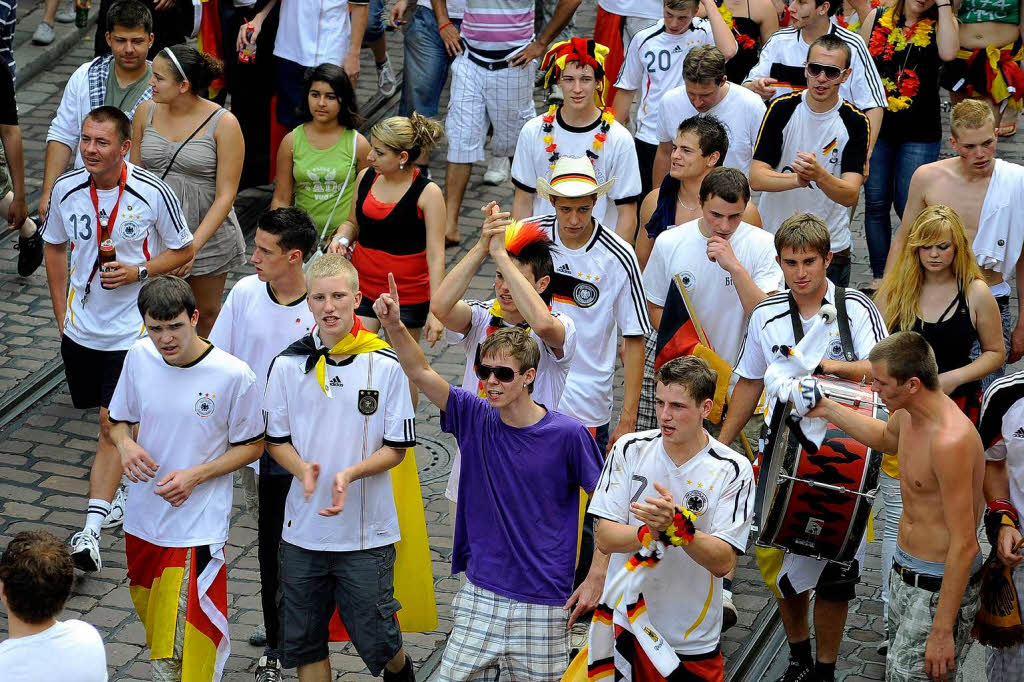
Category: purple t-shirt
[517,522]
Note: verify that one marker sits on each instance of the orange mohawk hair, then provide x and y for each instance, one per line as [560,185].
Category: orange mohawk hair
[521,234]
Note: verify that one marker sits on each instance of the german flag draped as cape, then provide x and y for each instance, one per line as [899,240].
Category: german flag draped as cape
[155,576]
[414,578]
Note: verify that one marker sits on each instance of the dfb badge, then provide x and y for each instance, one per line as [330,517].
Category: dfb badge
[368,401]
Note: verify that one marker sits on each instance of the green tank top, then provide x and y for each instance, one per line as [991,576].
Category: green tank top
[324,179]
[1001,11]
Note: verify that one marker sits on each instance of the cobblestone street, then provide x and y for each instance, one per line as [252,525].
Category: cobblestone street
[45,454]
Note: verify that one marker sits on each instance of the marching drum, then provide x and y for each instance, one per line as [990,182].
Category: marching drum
[818,505]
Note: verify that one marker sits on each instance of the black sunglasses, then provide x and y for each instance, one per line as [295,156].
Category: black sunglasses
[503,374]
[815,69]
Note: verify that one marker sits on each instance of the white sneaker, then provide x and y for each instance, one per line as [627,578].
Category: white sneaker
[44,34]
[729,615]
[66,13]
[386,82]
[85,551]
[497,170]
[115,517]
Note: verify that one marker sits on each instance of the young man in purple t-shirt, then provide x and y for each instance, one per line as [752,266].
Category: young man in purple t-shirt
[517,522]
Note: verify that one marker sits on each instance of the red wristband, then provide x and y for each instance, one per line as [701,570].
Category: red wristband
[444,26]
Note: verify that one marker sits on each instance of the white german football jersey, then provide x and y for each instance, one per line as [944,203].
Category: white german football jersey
[1002,430]
[370,408]
[149,221]
[187,416]
[784,54]
[684,599]
[653,65]
[740,111]
[683,251]
[551,371]
[616,159]
[598,285]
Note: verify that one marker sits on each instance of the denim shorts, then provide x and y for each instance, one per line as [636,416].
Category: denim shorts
[360,584]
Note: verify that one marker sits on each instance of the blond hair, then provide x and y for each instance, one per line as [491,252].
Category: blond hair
[971,114]
[803,232]
[411,134]
[332,265]
[704,64]
[901,287]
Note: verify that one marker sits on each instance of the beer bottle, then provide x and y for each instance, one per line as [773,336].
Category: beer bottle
[107,252]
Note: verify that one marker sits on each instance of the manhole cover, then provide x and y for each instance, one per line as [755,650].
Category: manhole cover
[433,458]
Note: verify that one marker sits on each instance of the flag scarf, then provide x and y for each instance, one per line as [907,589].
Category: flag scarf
[358,340]
[208,38]
[155,577]
[680,334]
[414,577]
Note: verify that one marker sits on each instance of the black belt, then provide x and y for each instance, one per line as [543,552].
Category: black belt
[932,583]
[490,66]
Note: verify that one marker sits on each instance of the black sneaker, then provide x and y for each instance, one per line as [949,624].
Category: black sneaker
[30,253]
[268,670]
[799,672]
[406,674]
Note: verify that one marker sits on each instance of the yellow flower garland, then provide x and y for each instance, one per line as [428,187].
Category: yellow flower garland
[898,38]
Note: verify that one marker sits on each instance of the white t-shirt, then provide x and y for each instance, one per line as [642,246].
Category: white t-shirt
[551,371]
[653,65]
[69,650]
[684,599]
[648,9]
[837,137]
[598,285]
[187,416]
[1001,426]
[335,433]
[617,159]
[682,250]
[770,326]
[312,32]
[740,111]
[784,54]
[149,221]
[456,8]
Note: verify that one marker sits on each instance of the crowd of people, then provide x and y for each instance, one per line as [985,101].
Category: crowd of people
[633,236]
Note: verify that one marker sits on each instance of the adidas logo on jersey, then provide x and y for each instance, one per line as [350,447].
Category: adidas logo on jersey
[677,48]
[1019,433]
[336,382]
[564,269]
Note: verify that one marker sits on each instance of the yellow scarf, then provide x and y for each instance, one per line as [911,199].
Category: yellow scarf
[358,340]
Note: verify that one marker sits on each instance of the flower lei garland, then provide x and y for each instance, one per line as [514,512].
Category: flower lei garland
[887,39]
[855,25]
[551,147]
[679,533]
[742,39]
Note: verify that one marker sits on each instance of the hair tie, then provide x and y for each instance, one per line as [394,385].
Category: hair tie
[170,55]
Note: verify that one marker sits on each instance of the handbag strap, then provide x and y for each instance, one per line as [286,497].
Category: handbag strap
[348,177]
[187,140]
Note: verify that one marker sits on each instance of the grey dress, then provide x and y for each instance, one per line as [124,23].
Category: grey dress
[193,177]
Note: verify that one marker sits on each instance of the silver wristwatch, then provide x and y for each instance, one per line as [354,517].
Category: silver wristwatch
[143,273]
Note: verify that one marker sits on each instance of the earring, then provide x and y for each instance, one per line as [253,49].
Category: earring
[401,166]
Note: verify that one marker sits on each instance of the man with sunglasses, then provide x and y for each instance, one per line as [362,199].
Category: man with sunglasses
[511,616]
[811,152]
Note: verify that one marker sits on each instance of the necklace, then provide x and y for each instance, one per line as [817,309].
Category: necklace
[685,207]
[551,147]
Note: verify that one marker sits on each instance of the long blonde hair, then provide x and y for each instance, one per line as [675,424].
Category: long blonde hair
[901,286]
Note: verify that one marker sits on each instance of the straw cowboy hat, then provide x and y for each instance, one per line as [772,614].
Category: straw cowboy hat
[571,178]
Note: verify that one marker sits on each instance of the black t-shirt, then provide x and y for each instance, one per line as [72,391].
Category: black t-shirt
[8,107]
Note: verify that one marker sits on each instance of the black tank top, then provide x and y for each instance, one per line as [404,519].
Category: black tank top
[748,39]
[951,338]
[402,231]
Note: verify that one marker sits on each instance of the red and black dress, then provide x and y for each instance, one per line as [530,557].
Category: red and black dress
[393,238]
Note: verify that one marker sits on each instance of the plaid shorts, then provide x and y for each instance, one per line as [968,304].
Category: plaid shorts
[911,612]
[1005,665]
[495,637]
[646,418]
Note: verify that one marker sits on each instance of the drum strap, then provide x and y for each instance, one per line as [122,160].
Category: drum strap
[845,337]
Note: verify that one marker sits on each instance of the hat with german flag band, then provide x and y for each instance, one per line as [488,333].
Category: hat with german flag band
[571,178]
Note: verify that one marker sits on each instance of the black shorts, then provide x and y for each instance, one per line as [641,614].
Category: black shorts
[837,583]
[360,584]
[92,374]
[414,315]
[645,153]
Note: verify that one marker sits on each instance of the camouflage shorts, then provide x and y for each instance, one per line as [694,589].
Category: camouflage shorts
[911,612]
[5,176]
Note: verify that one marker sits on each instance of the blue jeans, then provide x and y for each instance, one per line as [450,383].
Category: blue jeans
[375,22]
[426,65]
[892,166]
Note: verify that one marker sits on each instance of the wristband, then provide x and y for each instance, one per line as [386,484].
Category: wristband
[344,241]
[946,5]
[444,26]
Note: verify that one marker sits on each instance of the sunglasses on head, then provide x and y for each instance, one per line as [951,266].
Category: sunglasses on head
[831,72]
[503,374]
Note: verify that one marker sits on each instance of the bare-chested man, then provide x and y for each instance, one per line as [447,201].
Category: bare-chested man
[962,183]
[937,552]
